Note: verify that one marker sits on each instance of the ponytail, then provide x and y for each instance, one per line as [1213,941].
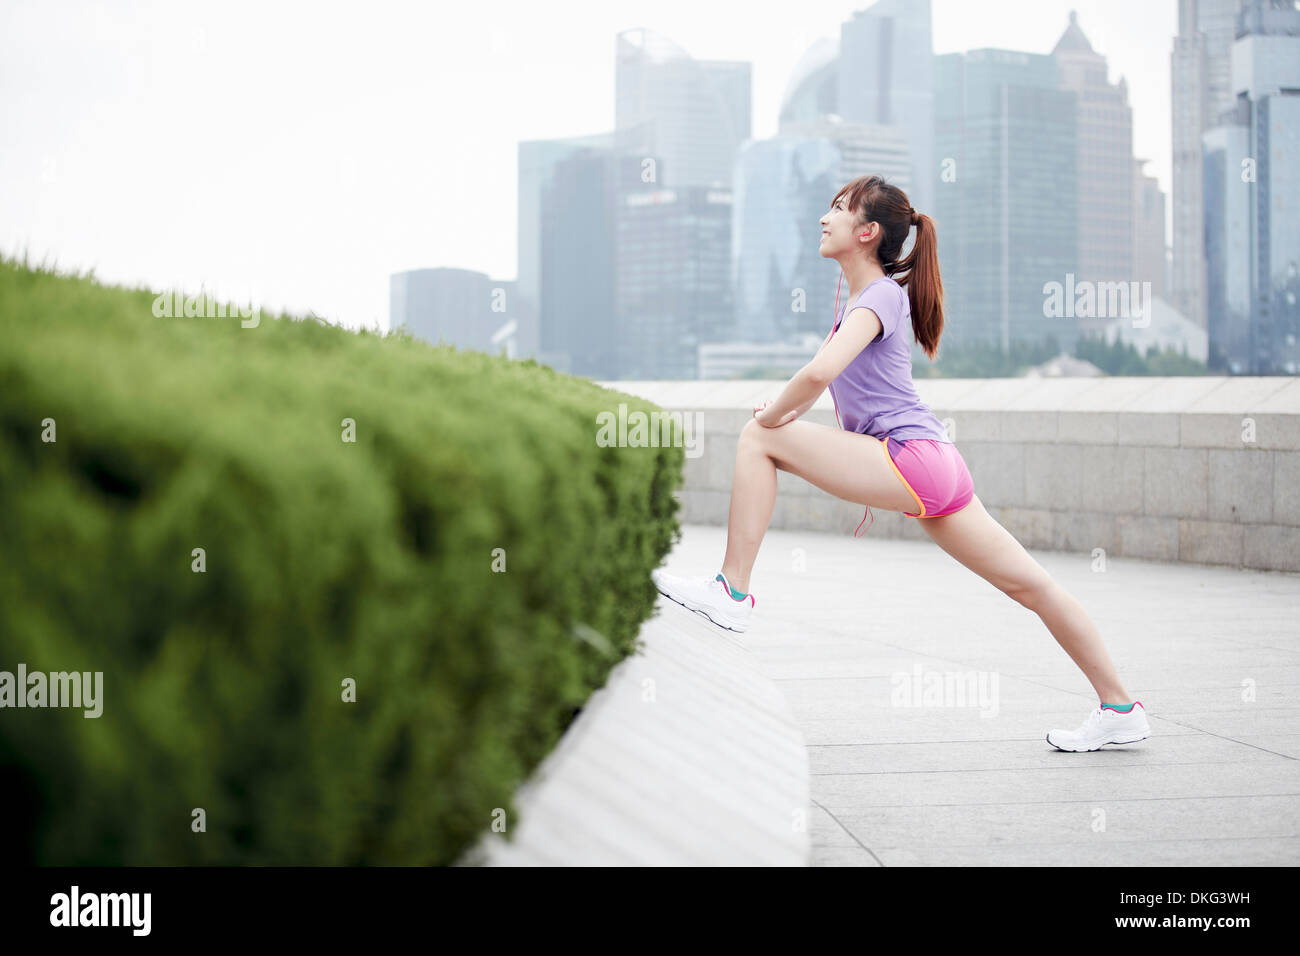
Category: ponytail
[924,287]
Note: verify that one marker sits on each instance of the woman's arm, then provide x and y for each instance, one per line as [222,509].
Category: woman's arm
[802,409]
[806,384]
[812,401]
[834,356]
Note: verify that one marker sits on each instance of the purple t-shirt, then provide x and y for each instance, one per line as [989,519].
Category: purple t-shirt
[874,394]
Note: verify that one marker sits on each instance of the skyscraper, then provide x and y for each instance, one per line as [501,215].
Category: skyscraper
[1253,175]
[813,87]
[672,260]
[697,111]
[1007,132]
[580,209]
[462,308]
[1104,181]
[1201,87]
[784,185]
[885,77]
[672,222]
[1227,218]
[561,331]
[1150,251]
[537,162]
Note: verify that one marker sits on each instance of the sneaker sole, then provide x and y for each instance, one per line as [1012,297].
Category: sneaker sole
[1083,750]
[703,612]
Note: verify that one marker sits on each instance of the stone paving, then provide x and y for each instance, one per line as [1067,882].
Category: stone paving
[964,776]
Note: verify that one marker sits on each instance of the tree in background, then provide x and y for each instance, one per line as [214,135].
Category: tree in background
[980,360]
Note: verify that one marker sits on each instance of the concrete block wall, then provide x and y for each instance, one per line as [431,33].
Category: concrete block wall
[1201,469]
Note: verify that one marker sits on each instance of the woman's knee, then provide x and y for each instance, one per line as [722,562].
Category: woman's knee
[1035,594]
[752,433]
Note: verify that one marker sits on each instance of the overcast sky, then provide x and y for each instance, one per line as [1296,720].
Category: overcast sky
[299,153]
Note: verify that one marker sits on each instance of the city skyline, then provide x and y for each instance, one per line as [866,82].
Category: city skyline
[97,203]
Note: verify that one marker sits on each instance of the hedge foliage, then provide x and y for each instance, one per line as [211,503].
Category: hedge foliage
[324,560]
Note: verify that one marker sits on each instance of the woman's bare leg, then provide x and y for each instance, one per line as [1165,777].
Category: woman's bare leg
[975,538]
[753,498]
[848,465]
[856,468]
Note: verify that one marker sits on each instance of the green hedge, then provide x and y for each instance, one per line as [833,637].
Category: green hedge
[325,560]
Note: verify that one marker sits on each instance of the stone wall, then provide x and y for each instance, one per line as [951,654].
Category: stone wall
[1196,469]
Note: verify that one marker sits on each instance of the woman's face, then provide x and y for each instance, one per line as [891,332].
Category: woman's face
[837,230]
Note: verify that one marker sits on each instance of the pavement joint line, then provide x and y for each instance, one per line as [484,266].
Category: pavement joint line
[1210,733]
[974,740]
[1048,803]
[1271,710]
[849,832]
[968,664]
[1183,688]
[1001,846]
[1077,767]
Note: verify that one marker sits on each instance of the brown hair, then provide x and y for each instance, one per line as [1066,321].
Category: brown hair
[875,200]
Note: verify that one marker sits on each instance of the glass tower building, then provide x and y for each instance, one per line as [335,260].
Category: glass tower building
[1252,157]
[697,111]
[672,259]
[1202,93]
[1227,247]
[1006,207]
[462,308]
[885,77]
[1104,126]
[784,185]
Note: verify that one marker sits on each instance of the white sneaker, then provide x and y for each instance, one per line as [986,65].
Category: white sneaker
[1103,726]
[708,596]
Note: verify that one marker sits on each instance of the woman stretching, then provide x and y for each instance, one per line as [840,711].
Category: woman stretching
[890,450]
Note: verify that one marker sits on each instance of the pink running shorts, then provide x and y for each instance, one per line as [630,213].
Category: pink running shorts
[934,472]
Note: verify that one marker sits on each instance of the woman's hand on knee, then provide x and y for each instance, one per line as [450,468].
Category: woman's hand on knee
[766,422]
